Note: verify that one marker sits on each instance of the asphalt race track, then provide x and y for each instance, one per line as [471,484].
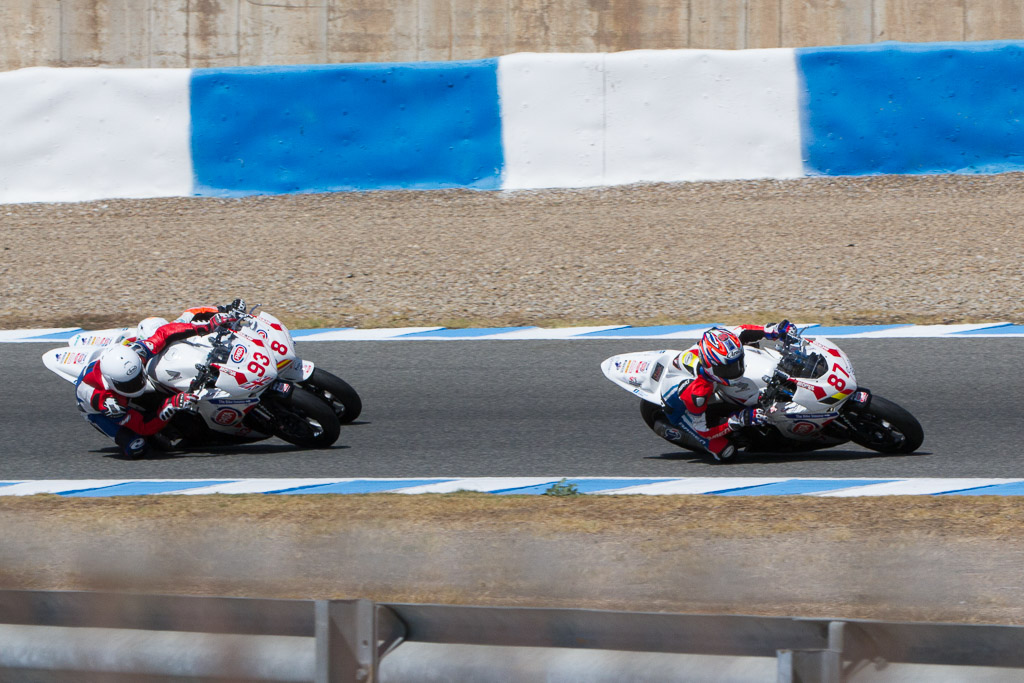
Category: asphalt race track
[535,408]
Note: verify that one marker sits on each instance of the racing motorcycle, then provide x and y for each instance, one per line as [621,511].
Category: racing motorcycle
[249,381]
[805,386]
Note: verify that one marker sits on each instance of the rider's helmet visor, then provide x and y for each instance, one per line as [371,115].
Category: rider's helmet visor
[131,386]
[730,371]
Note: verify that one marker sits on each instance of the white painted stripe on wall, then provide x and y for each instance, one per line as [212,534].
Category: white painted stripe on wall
[676,115]
[82,134]
[552,120]
[578,120]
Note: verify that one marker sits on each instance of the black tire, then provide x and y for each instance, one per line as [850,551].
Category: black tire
[305,420]
[337,393]
[650,412]
[885,427]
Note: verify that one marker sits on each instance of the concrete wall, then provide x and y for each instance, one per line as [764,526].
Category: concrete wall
[215,33]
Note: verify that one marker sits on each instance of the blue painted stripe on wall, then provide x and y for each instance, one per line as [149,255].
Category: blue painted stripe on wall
[582,485]
[802,486]
[361,486]
[142,488]
[284,129]
[913,108]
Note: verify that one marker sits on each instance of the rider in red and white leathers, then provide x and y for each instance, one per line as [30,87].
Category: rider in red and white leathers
[118,374]
[720,362]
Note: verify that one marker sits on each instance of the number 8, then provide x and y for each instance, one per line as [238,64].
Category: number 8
[837,382]
[279,348]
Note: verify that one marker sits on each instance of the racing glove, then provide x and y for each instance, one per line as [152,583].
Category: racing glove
[217,320]
[180,401]
[751,417]
[112,409]
[236,305]
[784,329]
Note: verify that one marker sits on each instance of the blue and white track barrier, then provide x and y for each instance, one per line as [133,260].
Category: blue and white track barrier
[515,122]
[652,486]
[664,332]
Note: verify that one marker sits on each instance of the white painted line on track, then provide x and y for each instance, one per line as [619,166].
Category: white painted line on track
[480,484]
[616,332]
[696,485]
[915,487]
[730,486]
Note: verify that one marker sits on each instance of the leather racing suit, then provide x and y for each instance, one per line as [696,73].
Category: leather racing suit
[111,413]
[686,404]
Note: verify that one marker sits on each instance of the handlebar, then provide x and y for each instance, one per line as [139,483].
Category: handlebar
[206,375]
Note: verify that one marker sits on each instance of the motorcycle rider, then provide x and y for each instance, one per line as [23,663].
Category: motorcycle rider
[118,374]
[720,362]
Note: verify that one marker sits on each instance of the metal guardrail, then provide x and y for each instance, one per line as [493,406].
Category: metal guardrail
[83,636]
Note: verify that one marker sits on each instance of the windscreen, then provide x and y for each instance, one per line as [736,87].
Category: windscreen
[801,365]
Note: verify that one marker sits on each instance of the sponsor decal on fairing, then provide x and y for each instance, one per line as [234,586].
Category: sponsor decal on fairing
[810,416]
[803,428]
[656,373]
[238,354]
[226,416]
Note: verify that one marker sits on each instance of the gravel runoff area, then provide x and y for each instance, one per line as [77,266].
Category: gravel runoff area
[834,250]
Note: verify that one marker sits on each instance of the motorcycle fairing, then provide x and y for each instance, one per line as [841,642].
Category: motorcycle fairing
[646,372]
[68,362]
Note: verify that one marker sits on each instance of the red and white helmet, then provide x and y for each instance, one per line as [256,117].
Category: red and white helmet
[122,371]
[721,355]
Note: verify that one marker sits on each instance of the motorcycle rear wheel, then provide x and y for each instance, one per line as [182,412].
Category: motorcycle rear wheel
[886,427]
[305,420]
[338,393]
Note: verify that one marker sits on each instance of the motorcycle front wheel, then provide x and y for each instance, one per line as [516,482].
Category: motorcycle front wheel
[886,427]
[337,393]
[305,420]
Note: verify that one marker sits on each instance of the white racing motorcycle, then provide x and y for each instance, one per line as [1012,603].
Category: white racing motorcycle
[806,387]
[250,383]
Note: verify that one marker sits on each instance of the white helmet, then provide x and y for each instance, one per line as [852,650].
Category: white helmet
[122,370]
[149,326]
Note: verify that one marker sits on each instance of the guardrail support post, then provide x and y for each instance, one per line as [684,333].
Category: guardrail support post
[346,641]
[809,666]
[814,666]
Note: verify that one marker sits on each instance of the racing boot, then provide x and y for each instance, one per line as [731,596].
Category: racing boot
[722,449]
[726,454]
